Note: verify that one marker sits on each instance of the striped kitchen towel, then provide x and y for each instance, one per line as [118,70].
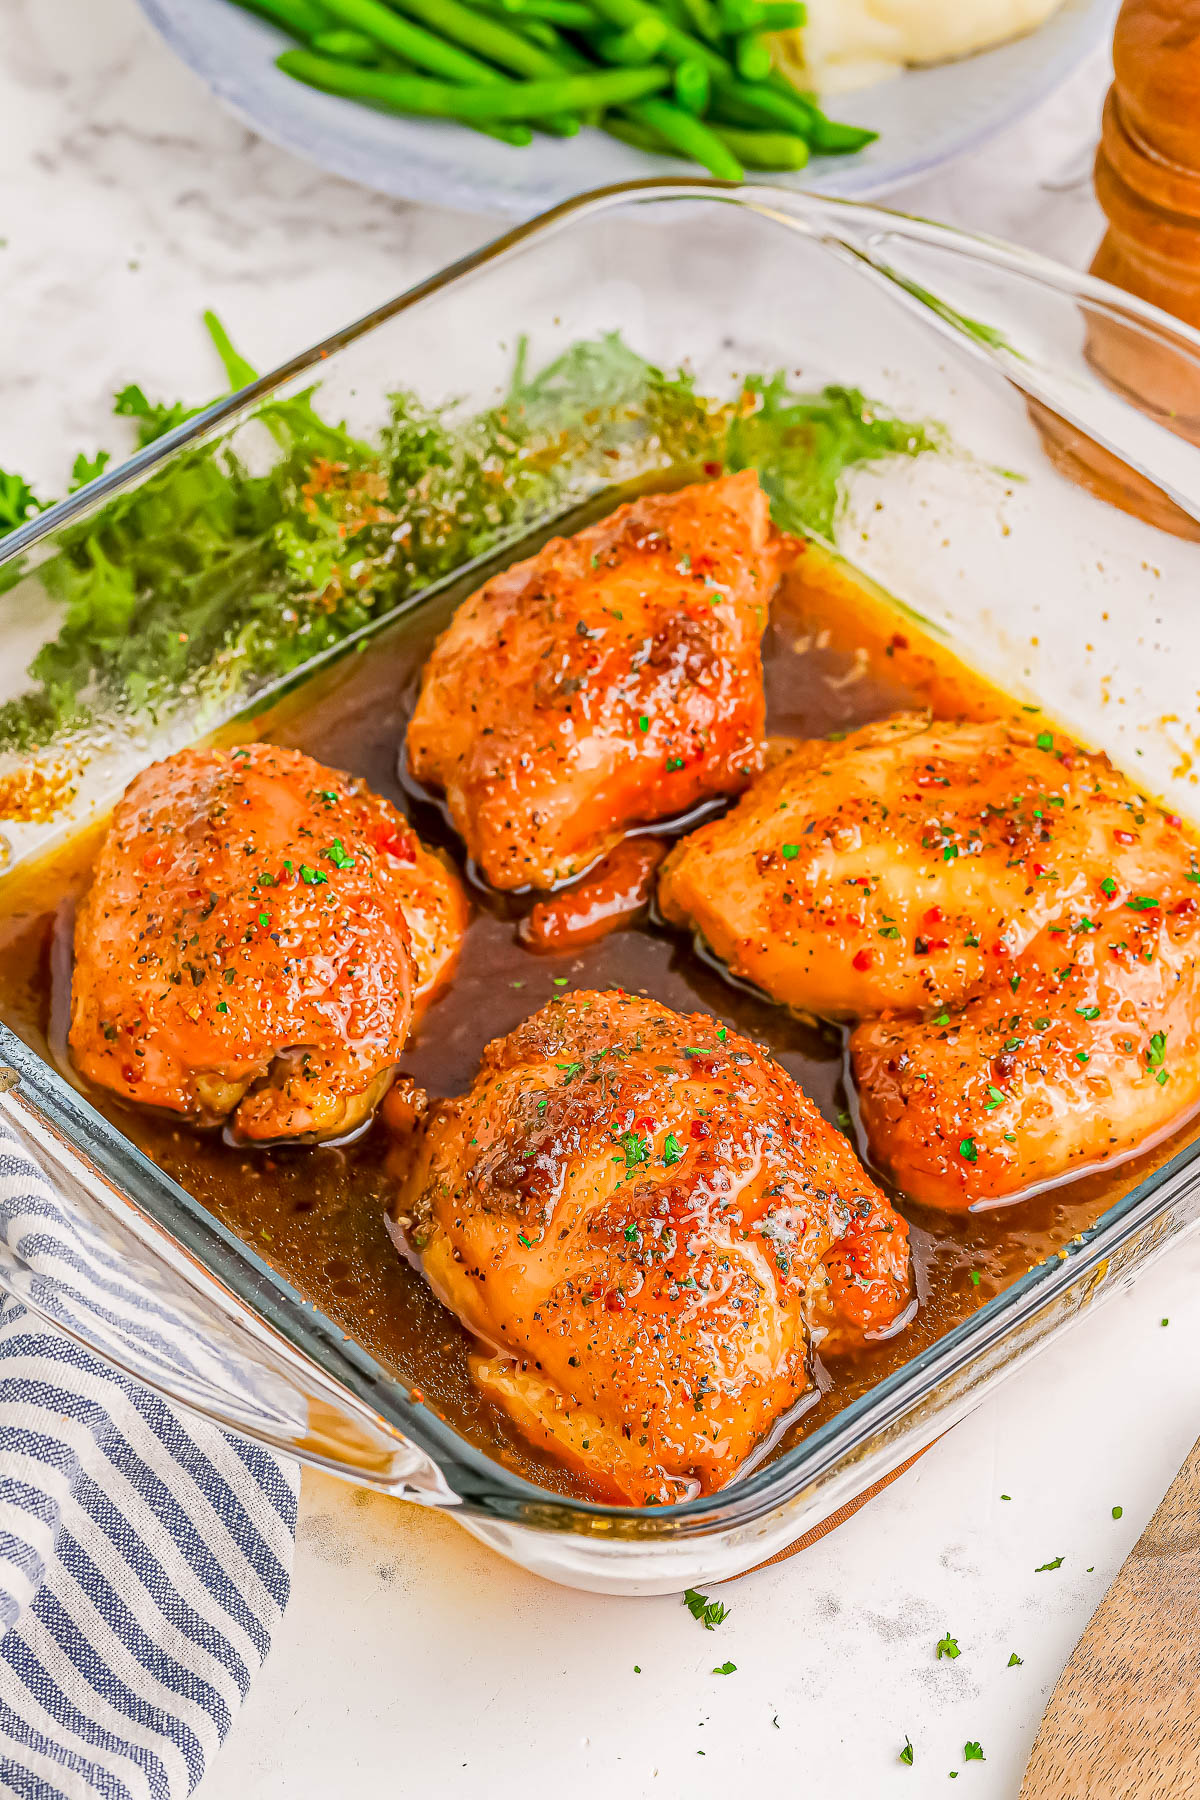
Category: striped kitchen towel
[145,1555]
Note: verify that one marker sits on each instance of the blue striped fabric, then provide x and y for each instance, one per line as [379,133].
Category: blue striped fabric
[145,1556]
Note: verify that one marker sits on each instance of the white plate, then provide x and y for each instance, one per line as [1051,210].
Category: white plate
[924,118]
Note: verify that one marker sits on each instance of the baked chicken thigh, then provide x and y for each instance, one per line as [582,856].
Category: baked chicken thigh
[258,938]
[1024,923]
[646,1223]
[612,680]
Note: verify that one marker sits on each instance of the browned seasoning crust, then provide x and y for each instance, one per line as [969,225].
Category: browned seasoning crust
[612,680]
[645,1220]
[257,936]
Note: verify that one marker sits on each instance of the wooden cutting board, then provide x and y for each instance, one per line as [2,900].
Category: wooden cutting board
[1123,1722]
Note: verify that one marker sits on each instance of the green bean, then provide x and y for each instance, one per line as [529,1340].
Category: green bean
[539,32]
[504,100]
[693,87]
[752,102]
[301,17]
[576,15]
[520,135]
[829,136]
[760,15]
[348,46]
[639,136]
[765,149]
[641,43]
[678,46]
[422,48]
[486,36]
[701,15]
[686,133]
[752,55]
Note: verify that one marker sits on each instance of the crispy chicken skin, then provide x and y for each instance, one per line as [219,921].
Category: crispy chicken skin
[645,1221]
[1023,920]
[259,934]
[612,680]
[1097,1051]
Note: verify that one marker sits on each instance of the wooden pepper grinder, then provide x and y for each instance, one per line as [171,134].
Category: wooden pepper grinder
[1148,183]
[1148,163]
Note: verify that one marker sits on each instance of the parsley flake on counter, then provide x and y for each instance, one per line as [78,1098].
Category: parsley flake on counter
[725,1668]
[973,1753]
[1056,1564]
[708,1612]
[1117,1511]
[1014,1661]
[906,1755]
[948,1646]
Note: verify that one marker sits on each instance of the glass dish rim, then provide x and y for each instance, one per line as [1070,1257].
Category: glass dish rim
[481,1483]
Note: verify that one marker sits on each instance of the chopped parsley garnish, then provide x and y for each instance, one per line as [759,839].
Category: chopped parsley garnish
[1088,1012]
[942,1019]
[708,1612]
[672,1149]
[338,855]
[570,1068]
[973,1753]
[906,1755]
[1109,886]
[1056,1564]
[1045,741]
[311,877]
[1158,1049]
[1117,1511]
[976,1278]
[264,920]
[948,1646]
[1014,1661]
[560,980]
[996,1097]
[725,1668]
[643,723]
[674,763]
[969,1150]
[1142,903]
[789,852]
[635,1148]
[522,1239]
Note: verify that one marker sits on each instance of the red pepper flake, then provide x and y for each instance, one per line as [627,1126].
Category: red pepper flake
[1000,948]
[862,960]
[1173,819]
[1124,837]
[899,641]
[712,468]
[615,1302]
[699,1129]
[934,916]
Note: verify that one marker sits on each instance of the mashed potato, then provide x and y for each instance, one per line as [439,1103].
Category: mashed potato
[852,43]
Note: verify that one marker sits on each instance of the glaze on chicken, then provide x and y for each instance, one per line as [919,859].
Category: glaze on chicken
[647,1223]
[258,938]
[610,681]
[1023,922]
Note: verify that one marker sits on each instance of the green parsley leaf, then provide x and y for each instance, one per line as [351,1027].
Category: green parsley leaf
[338,855]
[1044,740]
[1015,1661]
[311,877]
[725,1668]
[1109,886]
[643,723]
[707,1612]
[672,1149]
[1056,1564]
[789,852]
[942,1019]
[948,1646]
[973,1753]
[1117,1511]
[1088,1012]
[1158,1049]
[906,1755]
[1142,903]
[969,1150]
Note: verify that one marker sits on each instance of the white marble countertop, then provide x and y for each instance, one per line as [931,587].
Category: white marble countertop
[412,1661]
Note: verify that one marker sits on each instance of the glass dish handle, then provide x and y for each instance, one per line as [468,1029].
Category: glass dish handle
[1118,411]
[81,1257]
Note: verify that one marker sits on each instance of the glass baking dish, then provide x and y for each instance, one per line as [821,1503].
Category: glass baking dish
[1053,397]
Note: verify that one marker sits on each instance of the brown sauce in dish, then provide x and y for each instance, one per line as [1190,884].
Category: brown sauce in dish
[838,654]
